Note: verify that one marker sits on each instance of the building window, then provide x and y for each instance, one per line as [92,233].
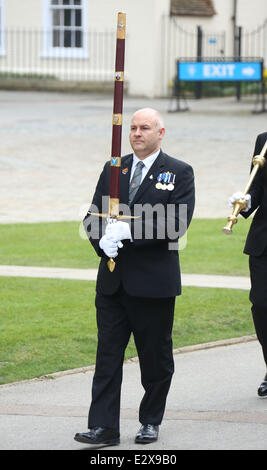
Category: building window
[67,23]
[64,28]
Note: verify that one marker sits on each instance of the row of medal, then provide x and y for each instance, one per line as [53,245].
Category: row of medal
[165,181]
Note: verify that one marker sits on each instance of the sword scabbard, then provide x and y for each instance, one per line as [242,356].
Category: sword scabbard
[115,161]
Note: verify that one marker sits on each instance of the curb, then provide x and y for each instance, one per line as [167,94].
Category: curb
[182,350]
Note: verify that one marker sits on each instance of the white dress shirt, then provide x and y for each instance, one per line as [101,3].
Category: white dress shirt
[148,162]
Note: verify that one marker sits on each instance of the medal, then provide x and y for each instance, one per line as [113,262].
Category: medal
[165,181]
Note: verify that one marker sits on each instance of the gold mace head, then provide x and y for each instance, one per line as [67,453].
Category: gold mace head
[259,160]
[232,219]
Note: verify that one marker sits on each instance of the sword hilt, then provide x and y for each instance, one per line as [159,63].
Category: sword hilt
[113,219]
[111,264]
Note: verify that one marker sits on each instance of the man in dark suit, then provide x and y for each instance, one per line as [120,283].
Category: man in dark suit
[139,295]
[256,248]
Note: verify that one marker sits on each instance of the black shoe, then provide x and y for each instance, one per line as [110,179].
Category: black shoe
[262,390]
[147,433]
[99,436]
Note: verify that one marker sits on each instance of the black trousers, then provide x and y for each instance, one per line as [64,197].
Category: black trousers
[151,321]
[258,297]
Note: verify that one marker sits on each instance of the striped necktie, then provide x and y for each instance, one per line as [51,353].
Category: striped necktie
[135,181]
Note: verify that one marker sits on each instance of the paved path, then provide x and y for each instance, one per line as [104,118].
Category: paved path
[198,280]
[54,145]
[212,404]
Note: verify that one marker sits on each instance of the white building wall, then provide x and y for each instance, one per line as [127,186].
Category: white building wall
[23,14]
[251,13]
[143,19]
[144,52]
[142,48]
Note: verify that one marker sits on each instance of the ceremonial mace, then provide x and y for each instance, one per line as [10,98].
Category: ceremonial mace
[115,161]
[258,162]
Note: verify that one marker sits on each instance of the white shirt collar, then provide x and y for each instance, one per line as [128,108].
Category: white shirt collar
[147,161]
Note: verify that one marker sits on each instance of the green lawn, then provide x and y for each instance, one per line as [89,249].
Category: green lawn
[54,244]
[48,325]
[209,251]
[58,244]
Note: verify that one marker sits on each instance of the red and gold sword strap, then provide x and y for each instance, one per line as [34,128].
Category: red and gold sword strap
[115,162]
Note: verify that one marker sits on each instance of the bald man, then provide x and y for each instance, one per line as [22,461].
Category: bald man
[138,297]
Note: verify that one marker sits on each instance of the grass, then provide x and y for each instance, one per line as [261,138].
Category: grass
[209,251]
[55,244]
[58,244]
[48,325]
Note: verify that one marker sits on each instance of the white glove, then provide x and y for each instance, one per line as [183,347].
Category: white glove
[118,231]
[236,196]
[109,246]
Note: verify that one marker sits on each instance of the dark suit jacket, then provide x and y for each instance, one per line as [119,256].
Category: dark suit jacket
[145,267]
[256,241]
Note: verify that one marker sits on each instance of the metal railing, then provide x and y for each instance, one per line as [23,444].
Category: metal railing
[31,53]
[254,43]
[177,42]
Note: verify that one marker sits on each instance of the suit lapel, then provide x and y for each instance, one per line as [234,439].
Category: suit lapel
[125,179]
[154,170]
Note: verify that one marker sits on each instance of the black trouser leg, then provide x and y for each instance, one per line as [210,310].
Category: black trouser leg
[258,297]
[113,337]
[260,323]
[152,321]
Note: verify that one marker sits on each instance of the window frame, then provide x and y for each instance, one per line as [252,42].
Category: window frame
[63,52]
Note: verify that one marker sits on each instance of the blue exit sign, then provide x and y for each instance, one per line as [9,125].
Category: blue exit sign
[219,71]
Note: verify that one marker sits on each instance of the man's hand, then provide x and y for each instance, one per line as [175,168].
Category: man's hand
[110,247]
[236,196]
[118,231]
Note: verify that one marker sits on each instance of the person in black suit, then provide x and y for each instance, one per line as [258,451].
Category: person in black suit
[256,248]
[139,295]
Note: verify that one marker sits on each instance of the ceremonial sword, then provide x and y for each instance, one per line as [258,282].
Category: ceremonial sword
[115,161]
